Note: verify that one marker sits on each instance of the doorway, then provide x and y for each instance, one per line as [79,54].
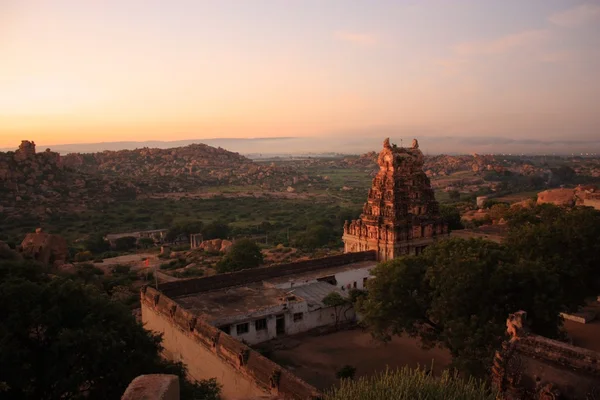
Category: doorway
[280,324]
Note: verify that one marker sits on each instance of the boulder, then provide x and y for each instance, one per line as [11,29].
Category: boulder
[46,248]
[559,197]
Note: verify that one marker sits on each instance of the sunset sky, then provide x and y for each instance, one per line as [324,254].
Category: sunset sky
[74,71]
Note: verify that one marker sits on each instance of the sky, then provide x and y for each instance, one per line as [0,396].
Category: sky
[74,71]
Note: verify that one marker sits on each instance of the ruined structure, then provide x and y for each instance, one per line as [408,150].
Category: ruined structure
[401,215]
[534,367]
[46,248]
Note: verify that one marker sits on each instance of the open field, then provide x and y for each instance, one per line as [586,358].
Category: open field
[516,197]
[316,359]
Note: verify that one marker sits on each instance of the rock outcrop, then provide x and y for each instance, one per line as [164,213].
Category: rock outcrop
[184,168]
[39,183]
[215,245]
[580,195]
[559,197]
[48,249]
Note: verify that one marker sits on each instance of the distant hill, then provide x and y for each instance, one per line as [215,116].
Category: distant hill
[355,142]
[242,145]
[36,182]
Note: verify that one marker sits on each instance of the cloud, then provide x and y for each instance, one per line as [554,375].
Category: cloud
[502,44]
[576,16]
[357,38]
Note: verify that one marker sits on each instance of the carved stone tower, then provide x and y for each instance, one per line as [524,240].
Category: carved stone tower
[401,215]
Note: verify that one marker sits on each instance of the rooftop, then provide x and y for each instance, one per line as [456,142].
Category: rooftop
[312,275]
[221,306]
[259,298]
[314,293]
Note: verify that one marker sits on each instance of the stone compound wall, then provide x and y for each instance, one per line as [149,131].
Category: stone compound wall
[534,367]
[220,281]
[211,353]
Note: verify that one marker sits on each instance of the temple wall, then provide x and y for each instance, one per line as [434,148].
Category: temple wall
[210,353]
[201,362]
[220,281]
[531,367]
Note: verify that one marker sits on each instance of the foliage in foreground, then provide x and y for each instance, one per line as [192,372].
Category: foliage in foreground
[411,384]
[61,338]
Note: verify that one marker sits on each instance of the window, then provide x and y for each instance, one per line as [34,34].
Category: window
[226,329]
[260,324]
[365,279]
[242,328]
[298,317]
[354,285]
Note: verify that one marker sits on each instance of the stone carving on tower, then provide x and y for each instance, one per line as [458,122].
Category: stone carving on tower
[401,215]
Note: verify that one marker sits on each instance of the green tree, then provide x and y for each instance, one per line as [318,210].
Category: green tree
[313,237]
[216,230]
[457,295]
[451,215]
[63,339]
[146,243]
[564,242]
[244,254]
[346,372]
[96,244]
[125,243]
[186,228]
[340,304]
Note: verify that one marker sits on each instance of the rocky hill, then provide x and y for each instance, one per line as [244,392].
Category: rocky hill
[183,168]
[38,182]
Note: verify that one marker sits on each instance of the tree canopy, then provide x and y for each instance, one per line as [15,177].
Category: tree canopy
[60,338]
[458,293]
[244,254]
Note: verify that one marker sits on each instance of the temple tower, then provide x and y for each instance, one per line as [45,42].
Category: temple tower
[401,215]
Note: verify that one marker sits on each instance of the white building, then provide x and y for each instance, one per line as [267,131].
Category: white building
[283,305]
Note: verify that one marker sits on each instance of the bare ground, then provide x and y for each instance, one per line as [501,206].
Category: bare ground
[317,358]
[586,335]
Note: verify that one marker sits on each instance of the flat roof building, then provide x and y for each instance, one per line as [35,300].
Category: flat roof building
[208,322]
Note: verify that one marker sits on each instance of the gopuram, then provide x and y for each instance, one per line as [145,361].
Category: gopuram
[401,215]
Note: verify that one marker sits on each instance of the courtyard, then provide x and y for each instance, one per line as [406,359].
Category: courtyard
[316,359]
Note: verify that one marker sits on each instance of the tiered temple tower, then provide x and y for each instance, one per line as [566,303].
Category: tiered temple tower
[401,215]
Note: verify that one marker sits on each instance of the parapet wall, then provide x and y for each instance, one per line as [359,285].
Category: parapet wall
[533,366]
[209,352]
[220,281]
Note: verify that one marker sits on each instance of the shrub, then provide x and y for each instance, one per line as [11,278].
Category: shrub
[346,372]
[244,254]
[125,243]
[121,269]
[411,384]
[83,256]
